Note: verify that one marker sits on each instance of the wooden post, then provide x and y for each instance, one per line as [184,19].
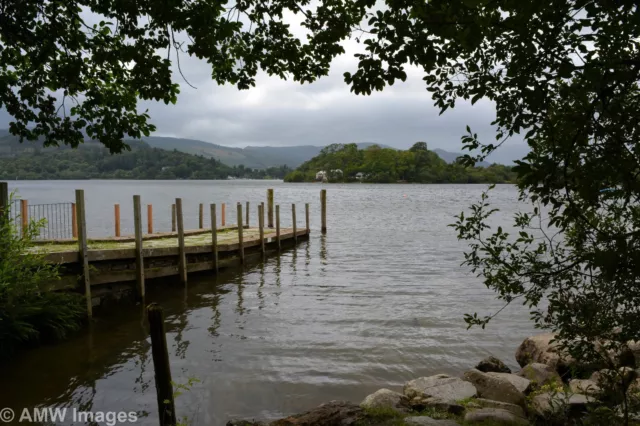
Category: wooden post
[116,217]
[4,198]
[182,259]
[137,227]
[223,214]
[261,227]
[201,216]
[293,219]
[270,207]
[74,221]
[83,249]
[278,226]
[214,237]
[173,218]
[247,214]
[149,219]
[306,217]
[240,242]
[323,210]
[161,366]
[24,216]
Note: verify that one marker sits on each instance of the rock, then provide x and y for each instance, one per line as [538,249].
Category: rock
[539,349]
[428,421]
[420,403]
[608,378]
[334,413]
[494,416]
[550,403]
[488,403]
[585,387]
[441,387]
[634,347]
[496,388]
[521,383]
[245,423]
[540,374]
[492,364]
[385,398]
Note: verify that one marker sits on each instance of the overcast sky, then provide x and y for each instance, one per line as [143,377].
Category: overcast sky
[284,113]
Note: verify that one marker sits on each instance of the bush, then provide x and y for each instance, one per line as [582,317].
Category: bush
[30,312]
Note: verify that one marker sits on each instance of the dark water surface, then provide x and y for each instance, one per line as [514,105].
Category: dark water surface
[377,301]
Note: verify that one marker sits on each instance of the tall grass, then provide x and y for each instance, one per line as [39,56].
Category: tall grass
[30,312]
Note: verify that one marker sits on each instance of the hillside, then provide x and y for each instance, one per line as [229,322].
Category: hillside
[347,163]
[93,161]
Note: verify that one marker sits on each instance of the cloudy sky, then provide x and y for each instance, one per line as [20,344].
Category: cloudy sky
[285,113]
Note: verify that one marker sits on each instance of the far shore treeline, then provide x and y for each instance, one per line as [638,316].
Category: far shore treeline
[347,163]
[93,161]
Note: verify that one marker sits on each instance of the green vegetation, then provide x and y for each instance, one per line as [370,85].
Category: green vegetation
[29,312]
[344,163]
[93,161]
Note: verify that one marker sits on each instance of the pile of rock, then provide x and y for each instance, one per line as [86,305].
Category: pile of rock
[487,394]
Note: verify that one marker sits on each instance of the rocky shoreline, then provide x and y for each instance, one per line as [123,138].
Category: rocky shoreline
[550,388]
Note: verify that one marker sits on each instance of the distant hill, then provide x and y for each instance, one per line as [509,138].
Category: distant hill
[450,157]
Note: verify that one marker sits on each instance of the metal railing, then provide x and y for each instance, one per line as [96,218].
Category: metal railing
[59,218]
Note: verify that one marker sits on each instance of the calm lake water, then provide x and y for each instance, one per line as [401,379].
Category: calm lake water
[377,301]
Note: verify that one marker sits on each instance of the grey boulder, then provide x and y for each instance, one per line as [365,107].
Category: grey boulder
[385,398]
[495,388]
[492,364]
[441,387]
[494,416]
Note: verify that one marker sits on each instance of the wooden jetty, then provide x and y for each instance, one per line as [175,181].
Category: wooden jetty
[112,267]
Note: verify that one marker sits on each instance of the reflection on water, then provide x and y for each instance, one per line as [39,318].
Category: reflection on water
[375,302]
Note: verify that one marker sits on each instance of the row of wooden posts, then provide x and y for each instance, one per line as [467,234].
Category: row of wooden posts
[182,264]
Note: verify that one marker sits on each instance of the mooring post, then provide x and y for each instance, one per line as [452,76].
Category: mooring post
[83,249]
[270,207]
[116,217]
[182,258]
[323,210]
[4,198]
[173,218]
[149,219]
[261,227]
[74,220]
[293,219]
[223,214]
[240,227]
[263,210]
[306,217]
[247,214]
[24,216]
[214,237]
[137,228]
[161,366]
[201,216]
[278,226]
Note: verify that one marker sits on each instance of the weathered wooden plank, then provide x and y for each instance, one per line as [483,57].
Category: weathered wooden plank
[182,259]
[261,228]
[214,237]
[278,227]
[270,207]
[116,219]
[240,229]
[293,221]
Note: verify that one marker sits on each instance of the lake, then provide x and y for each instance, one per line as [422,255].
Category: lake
[375,302]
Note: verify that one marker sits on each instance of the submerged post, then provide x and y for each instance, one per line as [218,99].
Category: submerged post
[74,220]
[214,237]
[293,219]
[247,214]
[223,214]
[83,249]
[173,218]
[270,207]
[161,366]
[261,227]
[278,226]
[201,216]
[149,219]
[24,216]
[137,226]
[116,217]
[306,217]
[323,210]
[182,258]
[240,243]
